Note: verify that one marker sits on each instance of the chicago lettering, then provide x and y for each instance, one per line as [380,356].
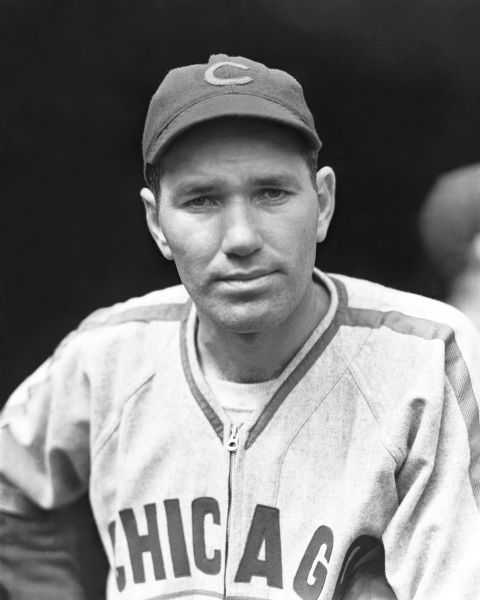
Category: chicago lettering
[264,532]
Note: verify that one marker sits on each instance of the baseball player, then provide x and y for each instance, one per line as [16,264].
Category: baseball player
[264,431]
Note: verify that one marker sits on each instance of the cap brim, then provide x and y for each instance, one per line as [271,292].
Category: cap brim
[229,105]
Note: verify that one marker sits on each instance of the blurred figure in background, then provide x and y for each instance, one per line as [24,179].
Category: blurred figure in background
[450,229]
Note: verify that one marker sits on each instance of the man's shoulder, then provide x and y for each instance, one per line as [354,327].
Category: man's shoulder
[130,327]
[126,320]
[370,302]
[168,304]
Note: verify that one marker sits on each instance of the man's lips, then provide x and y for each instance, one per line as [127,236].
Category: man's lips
[245,275]
[255,281]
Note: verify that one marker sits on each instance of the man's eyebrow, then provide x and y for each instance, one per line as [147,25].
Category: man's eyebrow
[186,188]
[274,180]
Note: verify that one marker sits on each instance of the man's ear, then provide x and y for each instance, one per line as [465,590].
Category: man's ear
[153,222]
[326,200]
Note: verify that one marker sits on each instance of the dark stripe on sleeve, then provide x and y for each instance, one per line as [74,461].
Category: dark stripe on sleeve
[456,368]
[159,312]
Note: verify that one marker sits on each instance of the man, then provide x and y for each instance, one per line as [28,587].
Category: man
[263,430]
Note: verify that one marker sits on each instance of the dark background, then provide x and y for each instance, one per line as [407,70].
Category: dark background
[394,87]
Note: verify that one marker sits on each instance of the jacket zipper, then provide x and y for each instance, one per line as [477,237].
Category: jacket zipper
[232,446]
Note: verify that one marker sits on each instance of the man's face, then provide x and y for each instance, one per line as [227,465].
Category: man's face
[240,216]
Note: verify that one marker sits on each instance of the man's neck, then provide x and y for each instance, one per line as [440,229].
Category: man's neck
[254,357]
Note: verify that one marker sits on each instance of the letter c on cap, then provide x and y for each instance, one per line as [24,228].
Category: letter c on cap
[211,78]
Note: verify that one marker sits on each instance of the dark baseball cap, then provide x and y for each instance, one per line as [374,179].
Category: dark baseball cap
[224,87]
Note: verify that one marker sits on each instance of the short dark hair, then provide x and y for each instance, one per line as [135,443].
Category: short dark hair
[153,172]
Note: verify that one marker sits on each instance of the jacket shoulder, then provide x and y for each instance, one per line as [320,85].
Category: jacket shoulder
[367,302]
[168,304]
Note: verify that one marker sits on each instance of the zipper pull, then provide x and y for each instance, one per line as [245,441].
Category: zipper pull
[232,443]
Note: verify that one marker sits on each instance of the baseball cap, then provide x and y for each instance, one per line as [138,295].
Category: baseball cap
[225,86]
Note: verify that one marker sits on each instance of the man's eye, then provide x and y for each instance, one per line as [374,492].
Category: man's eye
[200,202]
[272,194]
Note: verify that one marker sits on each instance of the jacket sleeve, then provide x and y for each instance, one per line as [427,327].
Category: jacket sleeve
[44,467]
[432,544]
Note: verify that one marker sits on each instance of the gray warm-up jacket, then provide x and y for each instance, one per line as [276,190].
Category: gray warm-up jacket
[371,441]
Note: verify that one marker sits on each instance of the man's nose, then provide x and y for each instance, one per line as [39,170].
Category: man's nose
[241,229]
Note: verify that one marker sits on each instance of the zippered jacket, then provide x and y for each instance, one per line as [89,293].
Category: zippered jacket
[370,445]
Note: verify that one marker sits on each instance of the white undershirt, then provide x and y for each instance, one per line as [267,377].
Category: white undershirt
[241,400]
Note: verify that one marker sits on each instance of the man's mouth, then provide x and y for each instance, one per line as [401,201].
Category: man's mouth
[247,282]
[246,275]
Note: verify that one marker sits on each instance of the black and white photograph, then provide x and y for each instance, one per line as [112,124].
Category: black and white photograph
[240,300]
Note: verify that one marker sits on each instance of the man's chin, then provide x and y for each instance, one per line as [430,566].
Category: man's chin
[249,318]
